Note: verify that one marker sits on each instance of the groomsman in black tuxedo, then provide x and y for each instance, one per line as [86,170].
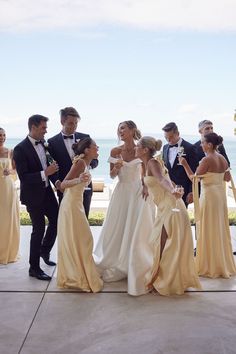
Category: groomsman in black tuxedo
[60,147]
[170,156]
[34,169]
[205,127]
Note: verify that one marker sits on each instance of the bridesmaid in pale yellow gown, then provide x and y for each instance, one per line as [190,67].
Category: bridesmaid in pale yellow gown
[76,267]
[173,269]
[214,256]
[9,206]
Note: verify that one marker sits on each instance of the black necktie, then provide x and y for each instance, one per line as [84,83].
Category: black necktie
[68,136]
[171,146]
[38,142]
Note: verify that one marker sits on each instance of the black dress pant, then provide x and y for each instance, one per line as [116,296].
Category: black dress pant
[42,242]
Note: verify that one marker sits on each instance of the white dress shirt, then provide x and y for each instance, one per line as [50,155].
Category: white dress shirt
[68,144]
[42,157]
[173,151]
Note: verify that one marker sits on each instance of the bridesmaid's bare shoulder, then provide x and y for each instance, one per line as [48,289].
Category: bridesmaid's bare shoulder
[116,151]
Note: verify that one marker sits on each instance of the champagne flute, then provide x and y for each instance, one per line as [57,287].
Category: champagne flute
[180,153]
[86,170]
[178,189]
[120,159]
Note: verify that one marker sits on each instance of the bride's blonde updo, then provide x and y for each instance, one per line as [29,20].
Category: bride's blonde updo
[151,143]
[131,125]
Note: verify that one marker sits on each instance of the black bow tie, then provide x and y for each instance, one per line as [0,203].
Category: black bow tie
[38,142]
[68,136]
[175,145]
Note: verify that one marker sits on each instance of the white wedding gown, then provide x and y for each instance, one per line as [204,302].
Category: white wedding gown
[123,249]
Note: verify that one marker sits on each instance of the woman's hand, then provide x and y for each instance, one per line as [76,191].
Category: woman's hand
[118,165]
[6,172]
[116,168]
[145,192]
[182,161]
[85,177]
[227,176]
[178,192]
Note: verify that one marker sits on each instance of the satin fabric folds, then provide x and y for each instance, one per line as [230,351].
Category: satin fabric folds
[123,249]
[9,216]
[214,250]
[76,267]
[175,271]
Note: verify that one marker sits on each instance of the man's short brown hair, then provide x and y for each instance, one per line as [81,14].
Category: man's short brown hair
[170,127]
[69,111]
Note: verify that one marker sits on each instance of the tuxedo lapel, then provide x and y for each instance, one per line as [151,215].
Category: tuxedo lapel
[62,147]
[33,153]
[166,156]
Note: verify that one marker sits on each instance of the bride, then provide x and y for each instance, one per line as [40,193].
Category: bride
[123,249]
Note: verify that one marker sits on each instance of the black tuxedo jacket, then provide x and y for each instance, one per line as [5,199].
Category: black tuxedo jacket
[59,152]
[200,152]
[29,167]
[176,172]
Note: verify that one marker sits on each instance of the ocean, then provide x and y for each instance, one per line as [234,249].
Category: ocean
[105,145]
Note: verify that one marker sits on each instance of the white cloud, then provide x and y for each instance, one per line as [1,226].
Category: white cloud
[201,15]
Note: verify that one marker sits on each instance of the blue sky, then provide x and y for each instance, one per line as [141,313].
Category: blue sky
[149,61]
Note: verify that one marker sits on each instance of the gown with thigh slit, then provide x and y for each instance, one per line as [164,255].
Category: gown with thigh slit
[174,271]
[123,249]
[76,267]
[214,256]
[9,215]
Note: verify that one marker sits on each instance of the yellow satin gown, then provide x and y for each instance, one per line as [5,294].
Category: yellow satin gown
[214,249]
[175,271]
[9,215]
[75,267]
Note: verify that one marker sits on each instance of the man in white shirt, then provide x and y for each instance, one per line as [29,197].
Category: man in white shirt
[34,172]
[176,145]
[60,147]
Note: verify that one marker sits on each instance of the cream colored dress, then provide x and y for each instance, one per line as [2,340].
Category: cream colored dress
[9,215]
[123,249]
[76,267]
[214,250]
[175,271]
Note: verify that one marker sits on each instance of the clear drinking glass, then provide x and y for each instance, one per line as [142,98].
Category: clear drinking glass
[179,189]
[86,171]
[180,153]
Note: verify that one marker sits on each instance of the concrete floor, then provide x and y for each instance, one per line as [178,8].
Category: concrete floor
[39,318]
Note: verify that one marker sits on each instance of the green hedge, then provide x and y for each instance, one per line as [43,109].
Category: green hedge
[97,218]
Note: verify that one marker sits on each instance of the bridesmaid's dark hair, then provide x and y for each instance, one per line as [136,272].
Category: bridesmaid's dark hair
[131,125]
[214,139]
[81,145]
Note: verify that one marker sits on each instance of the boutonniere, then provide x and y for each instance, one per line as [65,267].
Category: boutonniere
[49,158]
[181,151]
[46,145]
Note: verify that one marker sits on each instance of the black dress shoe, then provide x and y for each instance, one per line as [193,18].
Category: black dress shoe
[47,260]
[39,274]
[234,253]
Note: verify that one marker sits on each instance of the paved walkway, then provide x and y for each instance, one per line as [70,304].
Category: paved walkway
[39,318]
